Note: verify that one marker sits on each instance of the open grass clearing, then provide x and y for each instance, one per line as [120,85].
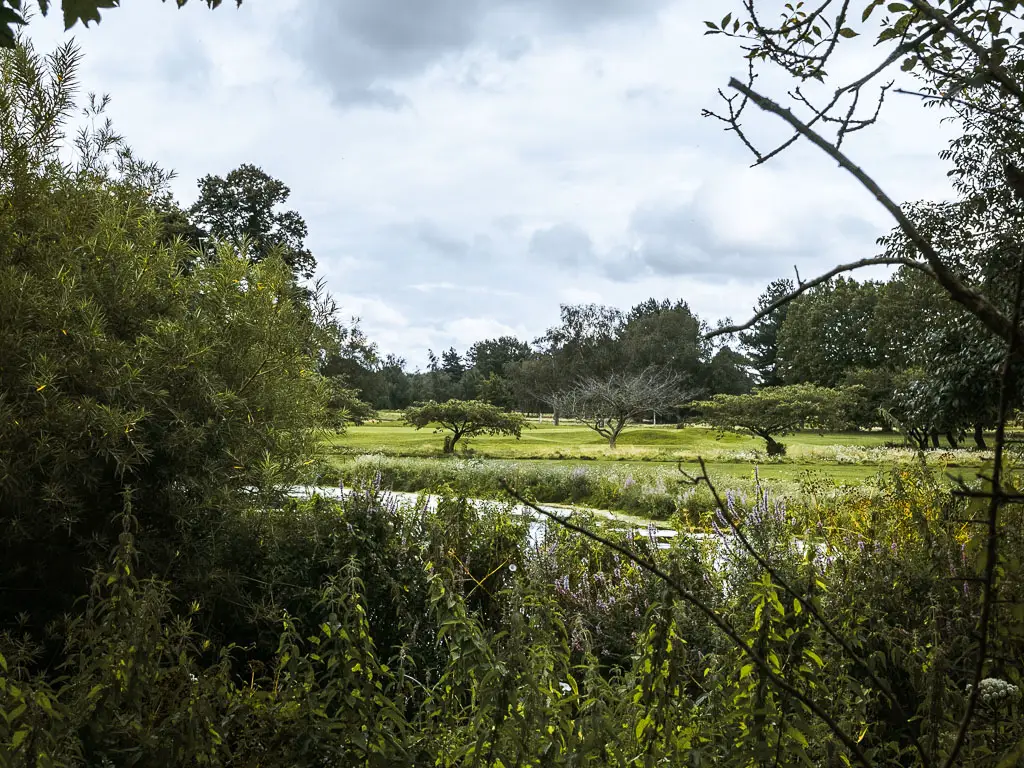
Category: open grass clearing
[834,453]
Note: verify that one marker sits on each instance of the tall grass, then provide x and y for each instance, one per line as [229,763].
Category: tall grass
[651,491]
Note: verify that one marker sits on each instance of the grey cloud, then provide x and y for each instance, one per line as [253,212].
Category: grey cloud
[672,241]
[358,45]
[440,242]
[562,244]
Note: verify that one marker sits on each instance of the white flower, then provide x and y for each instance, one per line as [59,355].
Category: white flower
[566,688]
[992,690]
[512,567]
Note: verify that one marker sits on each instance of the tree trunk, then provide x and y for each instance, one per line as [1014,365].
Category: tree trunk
[449,444]
[979,437]
[951,439]
[555,416]
[935,438]
[611,440]
[774,447]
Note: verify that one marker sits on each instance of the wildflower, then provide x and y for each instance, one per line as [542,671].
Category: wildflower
[992,690]
[512,567]
[566,688]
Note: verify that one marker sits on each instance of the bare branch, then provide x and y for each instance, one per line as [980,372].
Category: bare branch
[763,666]
[959,291]
[803,287]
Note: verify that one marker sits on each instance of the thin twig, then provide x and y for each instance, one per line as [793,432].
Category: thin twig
[804,286]
[959,291]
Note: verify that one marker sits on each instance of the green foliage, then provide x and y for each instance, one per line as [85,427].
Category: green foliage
[647,492]
[15,13]
[827,333]
[240,209]
[368,633]
[775,411]
[120,372]
[762,341]
[465,418]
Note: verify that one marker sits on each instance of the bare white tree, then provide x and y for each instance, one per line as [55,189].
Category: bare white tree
[608,404]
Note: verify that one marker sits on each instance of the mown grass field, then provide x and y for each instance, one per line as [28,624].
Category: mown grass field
[848,458]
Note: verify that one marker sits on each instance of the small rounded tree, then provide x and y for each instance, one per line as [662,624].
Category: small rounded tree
[464,418]
[775,411]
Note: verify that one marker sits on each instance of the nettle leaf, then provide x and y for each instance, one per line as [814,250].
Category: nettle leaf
[84,11]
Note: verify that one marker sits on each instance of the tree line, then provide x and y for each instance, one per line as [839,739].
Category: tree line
[896,355]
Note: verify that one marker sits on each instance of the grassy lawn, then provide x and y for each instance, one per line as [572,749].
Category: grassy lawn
[573,441]
[845,458]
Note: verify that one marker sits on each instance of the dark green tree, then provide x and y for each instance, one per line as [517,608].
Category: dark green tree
[775,411]
[584,341]
[664,334]
[491,356]
[727,373]
[826,333]
[241,208]
[452,365]
[464,419]
[761,343]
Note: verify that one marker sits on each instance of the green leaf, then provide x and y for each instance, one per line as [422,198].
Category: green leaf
[870,8]
[19,737]
[796,735]
[814,657]
[7,18]
[847,32]
[1013,757]
[84,11]
[745,670]
[909,63]
[897,8]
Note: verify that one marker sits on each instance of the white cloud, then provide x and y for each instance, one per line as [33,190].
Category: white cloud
[539,153]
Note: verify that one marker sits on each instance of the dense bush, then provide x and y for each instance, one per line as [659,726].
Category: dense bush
[378,634]
[121,371]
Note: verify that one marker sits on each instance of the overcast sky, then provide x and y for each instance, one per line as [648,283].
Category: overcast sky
[465,166]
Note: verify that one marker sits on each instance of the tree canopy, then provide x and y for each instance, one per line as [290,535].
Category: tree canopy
[774,411]
[123,376]
[241,208]
[465,418]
